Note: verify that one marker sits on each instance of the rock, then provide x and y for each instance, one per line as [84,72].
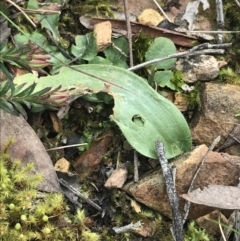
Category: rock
[181,102]
[200,67]
[150,17]
[117,178]
[62,165]
[150,190]
[103,35]
[147,229]
[28,148]
[217,115]
[205,222]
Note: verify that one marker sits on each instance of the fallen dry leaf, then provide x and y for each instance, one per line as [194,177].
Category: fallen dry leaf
[90,159]
[213,196]
[56,124]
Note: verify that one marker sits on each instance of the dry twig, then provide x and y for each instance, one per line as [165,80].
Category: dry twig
[188,204]
[171,192]
[220,19]
[72,189]
[129,31]
[21,10]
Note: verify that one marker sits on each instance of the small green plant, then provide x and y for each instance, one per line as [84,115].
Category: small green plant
[193,98]
[194,233]
[237,113]
[24,216]
[12,98]
[91,7]
[229,76]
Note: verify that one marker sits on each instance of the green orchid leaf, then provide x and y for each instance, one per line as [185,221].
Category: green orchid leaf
[48,21]
[100,60]
[163,79]
[141,113]
[161,47]
[86,47]
[118,52]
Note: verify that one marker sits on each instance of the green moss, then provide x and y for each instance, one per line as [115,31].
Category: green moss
[193,98]
[229,76]
[194,233]
[101,8]
[24,216]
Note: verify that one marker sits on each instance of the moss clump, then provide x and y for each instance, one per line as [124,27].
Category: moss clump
[25,216]
[229,76]
[94,7]
[194,233]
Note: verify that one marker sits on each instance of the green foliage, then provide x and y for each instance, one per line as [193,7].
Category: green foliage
[23,216]
[177,80]
[141,113]
[159,72]
[141,44]
[21,56]
[94,7]
[237,113]
[117,53]
[12,98]
[161,47]
[48,21]
[194,233]
[150,117]
[86,47]
[229,76]
[163,79]
[232,14]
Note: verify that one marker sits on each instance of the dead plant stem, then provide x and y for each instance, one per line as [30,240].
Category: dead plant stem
[129,31]
[188,204]
[21,10]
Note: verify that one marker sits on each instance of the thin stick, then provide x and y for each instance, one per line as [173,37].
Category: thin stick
[206,31]
[42,12]
[171,192]
[159,7]
[129,32]
[63,147]
[75,191]
[220,227]
[24,14]
[127,228]
[65,54]
[220,19]
[237,2]
[188,204]
[237,225]
[135,159]
[178,55]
